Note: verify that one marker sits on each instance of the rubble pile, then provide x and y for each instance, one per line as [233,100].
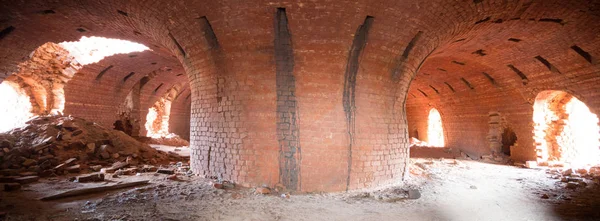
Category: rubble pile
[576,178]
[170,140]
[59,145]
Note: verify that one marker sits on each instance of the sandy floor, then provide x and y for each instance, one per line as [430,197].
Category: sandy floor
[451,190]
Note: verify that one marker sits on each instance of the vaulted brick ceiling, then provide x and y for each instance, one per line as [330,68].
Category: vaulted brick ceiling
[313,96]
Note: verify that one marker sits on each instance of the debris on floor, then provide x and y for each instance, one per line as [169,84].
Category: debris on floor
[169,140]
[49,146]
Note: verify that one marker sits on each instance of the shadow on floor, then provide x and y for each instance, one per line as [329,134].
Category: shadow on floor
[584,204]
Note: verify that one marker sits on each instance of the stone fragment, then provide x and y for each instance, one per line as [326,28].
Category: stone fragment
[414,194]
[165,171]
[28,174]
[74,169]
[567,172]
[92,177]
[263,190]
[104,154]
[149,169]
[115,167]
[173,177]
[27,179]
[29,162]
[66,163]
[218,186]
[90,148]
[582,171]
[572,185]
[545,196]
[115,155]
[96,168]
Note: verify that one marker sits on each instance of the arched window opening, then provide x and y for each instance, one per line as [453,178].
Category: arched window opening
[435,131]
[157,120]
[15,106]
[565,130]
[42,78]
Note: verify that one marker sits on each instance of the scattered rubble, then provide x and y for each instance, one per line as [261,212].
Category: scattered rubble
[59,145]
[169,140]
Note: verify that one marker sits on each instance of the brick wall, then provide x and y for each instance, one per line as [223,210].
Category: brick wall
[539,45]
[347,66]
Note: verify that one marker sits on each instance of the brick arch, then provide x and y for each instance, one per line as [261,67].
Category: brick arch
[500,65]
[331,78]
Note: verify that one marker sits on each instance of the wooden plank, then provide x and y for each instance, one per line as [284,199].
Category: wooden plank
[84,191]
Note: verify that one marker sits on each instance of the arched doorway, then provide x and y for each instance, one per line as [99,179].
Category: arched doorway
[435,131]
[565,130]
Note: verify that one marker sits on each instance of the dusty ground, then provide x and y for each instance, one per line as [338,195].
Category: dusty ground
[451,190]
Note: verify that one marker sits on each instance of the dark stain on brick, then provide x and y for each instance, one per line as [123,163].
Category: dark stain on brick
[123,13]
[209,33]
[449,86]
[458,62]
[477,1]
[520,73]
[144,81]
[459,40]
[358,44]
[177,44]
[215,49]
[81,29]
[401,60]
[441,69]
[467,83]
[552,20]
[483,20]
[434,89]
[103,72]
[583,53]
[498,21]
[6,32]
[490,78]
[128,76]
[514,39]
[288,131]
[547,64]
[422,92]
[480,52]
[47,12]
[158,88]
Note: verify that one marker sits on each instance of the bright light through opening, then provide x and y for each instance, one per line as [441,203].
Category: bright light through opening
[90,50]
[566,130]
[435,132]
[15,106]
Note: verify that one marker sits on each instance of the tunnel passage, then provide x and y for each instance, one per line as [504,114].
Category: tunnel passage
[320,104]
[565,130]
[477,76]
[435,129]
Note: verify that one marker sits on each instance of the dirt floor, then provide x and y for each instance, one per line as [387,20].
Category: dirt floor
[450,190]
